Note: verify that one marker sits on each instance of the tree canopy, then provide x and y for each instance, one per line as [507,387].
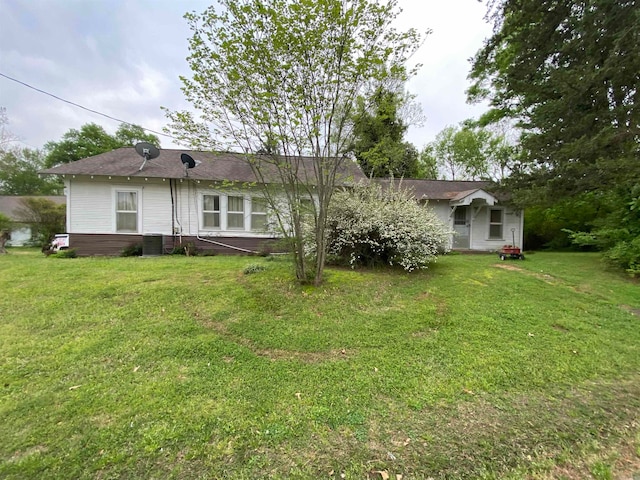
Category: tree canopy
[569,72]
[469,152]
[281,78]
[379,129]
[19,173]
[92,139]
[19,166]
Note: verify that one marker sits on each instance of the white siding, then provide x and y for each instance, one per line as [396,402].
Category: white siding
[19,236]
[479,231]
[442,210]
[91,205]
[156,207]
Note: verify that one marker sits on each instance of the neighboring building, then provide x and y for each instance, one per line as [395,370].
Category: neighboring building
[116,199]
[481,220]
[10,205]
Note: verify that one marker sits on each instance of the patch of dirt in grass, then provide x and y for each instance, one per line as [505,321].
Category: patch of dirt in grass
[440,304]
[634,311]
[551,280]
[554,433]
[621,457]
[508,266]
[424,333]
[35,450]
[278,354]
[101,421]
[306,357]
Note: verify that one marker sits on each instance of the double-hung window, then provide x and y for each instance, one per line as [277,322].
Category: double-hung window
[258,214]
[495,223]
[126,212]
[235,212]
[211,211]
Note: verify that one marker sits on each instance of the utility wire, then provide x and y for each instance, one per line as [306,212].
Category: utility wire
[85,108]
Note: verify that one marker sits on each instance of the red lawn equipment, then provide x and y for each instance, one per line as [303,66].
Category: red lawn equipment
[511,251]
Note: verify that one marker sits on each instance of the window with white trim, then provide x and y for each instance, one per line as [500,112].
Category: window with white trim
[211,211]
[495,223]
[258,214]
[235,212]
[126,212]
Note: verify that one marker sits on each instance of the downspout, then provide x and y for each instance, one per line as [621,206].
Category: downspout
[68,193]
[522,229]
[472,214]
[452,237]
[173,214]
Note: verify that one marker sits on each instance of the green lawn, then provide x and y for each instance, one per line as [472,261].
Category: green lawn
[185,367]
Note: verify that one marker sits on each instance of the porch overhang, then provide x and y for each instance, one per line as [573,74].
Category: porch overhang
[473,197]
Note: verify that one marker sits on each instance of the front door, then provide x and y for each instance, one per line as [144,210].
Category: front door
[461,227]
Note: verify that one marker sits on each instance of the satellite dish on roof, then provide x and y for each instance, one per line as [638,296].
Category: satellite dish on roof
[148,151]
[188,162]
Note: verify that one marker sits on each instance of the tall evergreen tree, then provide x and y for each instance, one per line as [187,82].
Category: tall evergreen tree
[379,130]
[569,72]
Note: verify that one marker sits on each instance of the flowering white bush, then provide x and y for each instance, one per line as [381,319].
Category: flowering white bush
[370,225]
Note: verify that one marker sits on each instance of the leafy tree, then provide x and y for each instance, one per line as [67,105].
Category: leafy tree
[19,166]
[19,174]
[616,229]
[568,72]
[467,153]
[379,130]
[281,78]
[92,139]
[427,164]
[46,218]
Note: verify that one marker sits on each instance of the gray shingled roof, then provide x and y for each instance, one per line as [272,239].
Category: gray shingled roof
[10,204]
[437,189]
[125,162]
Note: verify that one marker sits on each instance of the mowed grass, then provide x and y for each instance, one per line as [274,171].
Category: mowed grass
[185,367]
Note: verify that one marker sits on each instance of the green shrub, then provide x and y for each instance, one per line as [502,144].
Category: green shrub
[626,254]
[133,250]
[369,225]
[189,249]
[68,253]
[617,232]
[253,268]
[46,218]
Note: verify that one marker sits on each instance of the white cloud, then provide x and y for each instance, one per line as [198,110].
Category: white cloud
[124,59]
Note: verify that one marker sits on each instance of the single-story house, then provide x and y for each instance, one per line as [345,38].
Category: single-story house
[117,199]
[10,206]
[481,220]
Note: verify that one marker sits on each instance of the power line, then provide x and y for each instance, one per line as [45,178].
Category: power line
[85,108]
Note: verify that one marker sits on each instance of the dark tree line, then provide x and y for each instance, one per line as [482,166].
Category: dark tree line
[568,72]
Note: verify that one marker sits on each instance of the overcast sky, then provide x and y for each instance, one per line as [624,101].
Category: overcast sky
[123,58]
